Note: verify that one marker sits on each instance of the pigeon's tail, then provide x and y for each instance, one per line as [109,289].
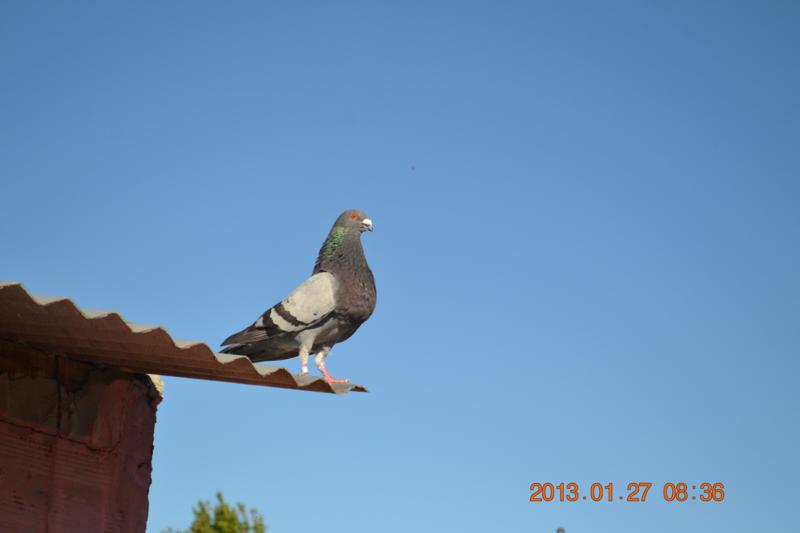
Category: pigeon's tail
[235,349]
[248,335]
[265,350]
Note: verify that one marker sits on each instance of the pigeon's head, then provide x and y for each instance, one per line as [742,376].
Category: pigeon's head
[354,219]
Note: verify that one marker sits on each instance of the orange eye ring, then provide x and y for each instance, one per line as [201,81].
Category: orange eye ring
[353,216]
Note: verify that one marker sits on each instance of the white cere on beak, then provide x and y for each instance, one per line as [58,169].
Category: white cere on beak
[367,224]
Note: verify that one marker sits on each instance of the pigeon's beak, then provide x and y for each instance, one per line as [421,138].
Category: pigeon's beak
[366,225]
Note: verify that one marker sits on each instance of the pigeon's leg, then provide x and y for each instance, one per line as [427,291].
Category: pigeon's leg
[320,360]
[304,350]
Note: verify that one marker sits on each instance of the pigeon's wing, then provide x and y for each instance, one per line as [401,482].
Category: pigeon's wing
[306,307]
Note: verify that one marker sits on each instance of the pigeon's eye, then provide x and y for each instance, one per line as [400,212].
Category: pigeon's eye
[353,216]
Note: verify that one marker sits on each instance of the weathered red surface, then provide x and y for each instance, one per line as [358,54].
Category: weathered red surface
[76,444]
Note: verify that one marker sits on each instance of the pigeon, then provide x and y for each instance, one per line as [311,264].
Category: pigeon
[324,310]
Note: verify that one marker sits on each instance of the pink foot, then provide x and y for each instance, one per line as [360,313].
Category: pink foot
[330,379]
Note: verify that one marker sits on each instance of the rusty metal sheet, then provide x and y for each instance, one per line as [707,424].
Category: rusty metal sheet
[56,324]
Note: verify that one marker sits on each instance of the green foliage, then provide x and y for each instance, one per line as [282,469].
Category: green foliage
[223,518]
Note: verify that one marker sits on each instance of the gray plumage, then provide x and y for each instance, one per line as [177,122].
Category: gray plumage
[322,311]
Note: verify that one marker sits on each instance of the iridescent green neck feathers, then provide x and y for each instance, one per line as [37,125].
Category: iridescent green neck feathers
[334,241]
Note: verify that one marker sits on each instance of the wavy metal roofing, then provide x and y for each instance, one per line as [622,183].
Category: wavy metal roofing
[58,325]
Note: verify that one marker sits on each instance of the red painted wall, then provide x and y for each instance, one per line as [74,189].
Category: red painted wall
[76,443]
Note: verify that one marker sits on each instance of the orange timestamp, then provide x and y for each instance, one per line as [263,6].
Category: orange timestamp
[637,491]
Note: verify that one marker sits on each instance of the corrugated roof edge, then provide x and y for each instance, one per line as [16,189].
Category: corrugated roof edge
[105,337]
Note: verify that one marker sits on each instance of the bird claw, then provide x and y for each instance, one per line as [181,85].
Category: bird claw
[332,380]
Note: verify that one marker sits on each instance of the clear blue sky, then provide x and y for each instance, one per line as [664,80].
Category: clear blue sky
[586,246]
